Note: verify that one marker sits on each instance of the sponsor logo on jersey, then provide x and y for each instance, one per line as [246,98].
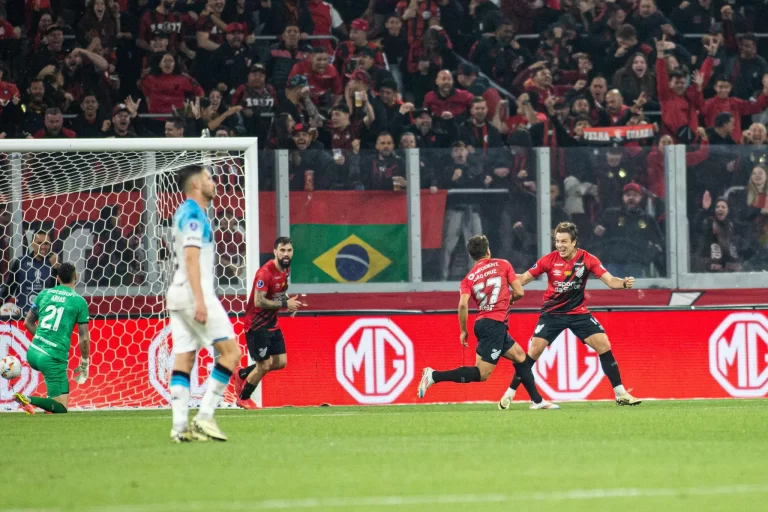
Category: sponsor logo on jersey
[557,273]
[374,360]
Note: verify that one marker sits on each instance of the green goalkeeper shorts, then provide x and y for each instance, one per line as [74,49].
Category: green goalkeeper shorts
[54,372]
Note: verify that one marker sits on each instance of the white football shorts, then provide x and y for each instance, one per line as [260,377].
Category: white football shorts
[190,335]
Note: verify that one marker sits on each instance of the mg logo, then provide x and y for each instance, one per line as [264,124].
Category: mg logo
[738,355]
[161,366]
[13,342]
[374,361]
[568,369]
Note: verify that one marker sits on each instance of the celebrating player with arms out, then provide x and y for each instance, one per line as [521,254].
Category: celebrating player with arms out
[60,308]
[488,284]
[568,269]
[266,344]
[197,317]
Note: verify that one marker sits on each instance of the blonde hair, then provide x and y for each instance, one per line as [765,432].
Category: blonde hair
[752,191]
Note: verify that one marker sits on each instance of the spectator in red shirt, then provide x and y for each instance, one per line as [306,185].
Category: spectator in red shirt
[54,127]
[446,101]
[9,93]
[680,106]
[325,83]
[342,131]
[157,48]
[165,87]
[346,53]
[537,78]
[324,19]
[164,19]
[256,96]
[418,15]
[724,102]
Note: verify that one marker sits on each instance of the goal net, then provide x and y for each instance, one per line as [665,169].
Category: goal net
[106,206]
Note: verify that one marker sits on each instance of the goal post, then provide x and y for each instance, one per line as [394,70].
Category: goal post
[106,206]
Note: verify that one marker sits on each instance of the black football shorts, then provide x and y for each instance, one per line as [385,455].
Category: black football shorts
[493,340]
[582,326]
[264,343]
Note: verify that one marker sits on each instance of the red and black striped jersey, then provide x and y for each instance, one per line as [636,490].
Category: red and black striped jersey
[567,280]
[274,283]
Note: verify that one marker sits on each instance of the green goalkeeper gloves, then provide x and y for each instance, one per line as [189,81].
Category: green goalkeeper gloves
[81,372]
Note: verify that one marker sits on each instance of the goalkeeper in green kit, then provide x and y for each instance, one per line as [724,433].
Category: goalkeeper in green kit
[51,320]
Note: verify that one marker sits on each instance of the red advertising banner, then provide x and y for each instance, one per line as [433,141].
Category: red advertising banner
[352,360]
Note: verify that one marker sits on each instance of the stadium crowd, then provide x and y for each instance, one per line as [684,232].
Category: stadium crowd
[347,85]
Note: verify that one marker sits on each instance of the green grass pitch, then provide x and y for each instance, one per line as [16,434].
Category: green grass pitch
[692,456]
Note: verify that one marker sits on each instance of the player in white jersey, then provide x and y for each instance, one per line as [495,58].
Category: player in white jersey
[197,317]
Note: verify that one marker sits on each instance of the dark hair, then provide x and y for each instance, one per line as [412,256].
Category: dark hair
[477,247]
[626,31]
[388,83]
[154,65]
[722,78]
[53,111]
[282,240]
[41,232]
[186,173]
[384,134]
[722,119]
[569,228]
[66,273]
[676,73]
[477,99]
[177,122]
[319,49]
[290,24]
[581,118]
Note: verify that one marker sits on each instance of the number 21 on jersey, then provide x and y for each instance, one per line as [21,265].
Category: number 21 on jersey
[487,293]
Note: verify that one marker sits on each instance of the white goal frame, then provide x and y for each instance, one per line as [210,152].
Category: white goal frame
[247,145]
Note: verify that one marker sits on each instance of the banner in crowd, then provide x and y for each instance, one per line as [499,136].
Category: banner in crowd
[619,133]
[377,218]
[352,360]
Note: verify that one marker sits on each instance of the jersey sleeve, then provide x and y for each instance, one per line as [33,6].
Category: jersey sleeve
[262,281]
[191,226]
[82,315]
[593,265]
[510,272]
[540,267]
[35,307]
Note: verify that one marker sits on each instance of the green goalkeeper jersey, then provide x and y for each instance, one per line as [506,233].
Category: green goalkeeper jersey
[58,310]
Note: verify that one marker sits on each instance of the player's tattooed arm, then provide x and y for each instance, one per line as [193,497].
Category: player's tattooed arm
[264,303]
[85,341]
[30,322]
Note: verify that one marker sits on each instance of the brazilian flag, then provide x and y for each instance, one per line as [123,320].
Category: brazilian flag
[344,253]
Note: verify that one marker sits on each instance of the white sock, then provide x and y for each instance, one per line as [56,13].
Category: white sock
[510,393]
[180,407]
[212,396]
[619,390]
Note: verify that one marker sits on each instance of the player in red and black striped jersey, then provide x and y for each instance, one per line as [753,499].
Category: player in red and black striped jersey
[568,269]
[488,283]
[264,338]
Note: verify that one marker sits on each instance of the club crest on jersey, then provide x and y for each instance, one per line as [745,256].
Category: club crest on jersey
[580,272]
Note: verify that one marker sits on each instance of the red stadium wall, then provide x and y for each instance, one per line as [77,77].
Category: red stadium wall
[351,360]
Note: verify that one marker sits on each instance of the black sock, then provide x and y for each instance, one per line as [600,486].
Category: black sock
[245,372]
[610,368]
[516,379]
[463,374]
[248,390]
[524,372]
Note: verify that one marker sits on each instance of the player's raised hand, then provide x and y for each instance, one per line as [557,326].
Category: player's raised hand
[629,282]
[81,372]
[463,338]
[201,312]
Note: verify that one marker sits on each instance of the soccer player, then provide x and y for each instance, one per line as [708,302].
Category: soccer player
[197,318]
[488,284]
[266,344]
[568,269]
[51,320]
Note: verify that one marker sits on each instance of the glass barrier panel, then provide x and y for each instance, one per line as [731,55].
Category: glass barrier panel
[617,202]
[348,213]
[727,208]
[467,191]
